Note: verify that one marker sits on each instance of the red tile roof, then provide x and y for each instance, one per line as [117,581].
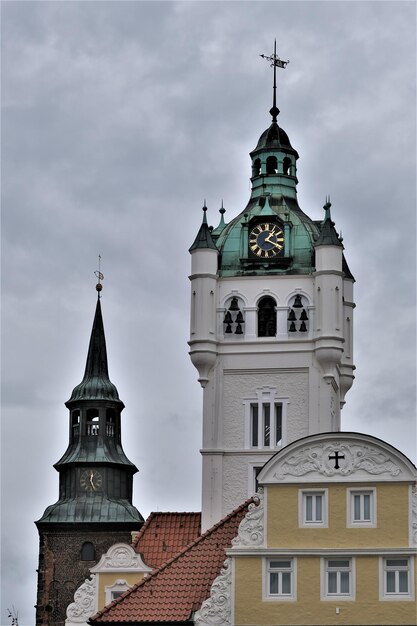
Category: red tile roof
[176,590]
[163,535]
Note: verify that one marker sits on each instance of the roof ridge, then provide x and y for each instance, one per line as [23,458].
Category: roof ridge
[142,530]
[163,567]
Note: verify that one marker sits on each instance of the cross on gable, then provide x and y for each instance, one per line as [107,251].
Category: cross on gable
[335,457]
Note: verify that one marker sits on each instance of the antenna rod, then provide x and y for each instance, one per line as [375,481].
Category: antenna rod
[275,62]
[100,277]
[274,98]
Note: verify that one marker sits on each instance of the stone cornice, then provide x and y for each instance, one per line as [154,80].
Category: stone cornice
[259,551]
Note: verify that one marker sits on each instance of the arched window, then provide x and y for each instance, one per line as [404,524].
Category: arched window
[286,165]
[75,424]
[87,552]
[297,320]
[256,167]
[267,317]
[271,165]
[234,320]
[110,423]
[92,422]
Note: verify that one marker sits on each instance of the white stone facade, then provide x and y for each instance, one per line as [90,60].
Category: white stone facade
[308,374]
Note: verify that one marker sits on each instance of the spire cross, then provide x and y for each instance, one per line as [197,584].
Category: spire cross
[100,276]
[275,62]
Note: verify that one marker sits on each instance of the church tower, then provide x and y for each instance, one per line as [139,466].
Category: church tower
[271,325]
[94,510]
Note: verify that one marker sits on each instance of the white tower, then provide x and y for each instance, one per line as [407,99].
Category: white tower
[271,327]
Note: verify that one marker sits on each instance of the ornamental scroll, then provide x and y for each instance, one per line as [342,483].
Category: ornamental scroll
[216,610]
[85,603]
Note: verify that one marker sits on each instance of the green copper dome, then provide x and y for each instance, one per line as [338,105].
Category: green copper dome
[300,232]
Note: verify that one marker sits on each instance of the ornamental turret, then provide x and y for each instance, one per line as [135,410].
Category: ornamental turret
[203,278]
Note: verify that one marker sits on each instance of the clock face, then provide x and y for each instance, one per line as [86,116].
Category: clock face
[90,480]
[266,240]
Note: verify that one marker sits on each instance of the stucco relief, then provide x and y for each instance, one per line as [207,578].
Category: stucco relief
[120,557]
[216,610]
[350,459]
[251,528]
[85,603]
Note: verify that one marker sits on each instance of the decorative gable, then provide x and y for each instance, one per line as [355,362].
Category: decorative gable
[337,456]
[120,558]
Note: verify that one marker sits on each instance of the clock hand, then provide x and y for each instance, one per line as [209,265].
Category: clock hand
[274,243]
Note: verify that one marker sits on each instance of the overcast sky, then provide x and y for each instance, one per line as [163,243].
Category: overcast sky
[119,118]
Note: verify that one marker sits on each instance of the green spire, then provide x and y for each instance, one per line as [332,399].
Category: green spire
[204,238]
[96,384]
[328,235]
[216,232]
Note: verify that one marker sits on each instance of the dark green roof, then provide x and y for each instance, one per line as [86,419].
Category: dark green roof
[328,235]
[96,384]
[91,508]
[229,242]
[274,138]
[96,450]
[204,238]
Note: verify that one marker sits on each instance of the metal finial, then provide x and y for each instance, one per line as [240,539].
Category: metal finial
[275,62]
[222,210]
[100,276]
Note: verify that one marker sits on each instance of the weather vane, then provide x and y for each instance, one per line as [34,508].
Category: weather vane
[100,276]
[275,62]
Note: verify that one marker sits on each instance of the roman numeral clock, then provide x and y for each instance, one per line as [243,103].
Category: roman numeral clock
[266,240]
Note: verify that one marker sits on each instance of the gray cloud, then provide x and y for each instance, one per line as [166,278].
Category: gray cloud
[118,120]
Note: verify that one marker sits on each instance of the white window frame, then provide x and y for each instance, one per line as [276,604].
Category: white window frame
[253,469]
[351,522]
[384,568]
[265,396]
[324,575]
[118,587]
[291,570]
[303,494]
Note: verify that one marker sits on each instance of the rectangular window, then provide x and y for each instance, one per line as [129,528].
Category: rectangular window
[265,425]
[254,425]
[256,471]
[338,578]
[280,576]
[397,574]
[312,507]
[278,424]
[361,506]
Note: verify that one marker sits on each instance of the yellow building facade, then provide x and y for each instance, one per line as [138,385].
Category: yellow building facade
[332,541]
